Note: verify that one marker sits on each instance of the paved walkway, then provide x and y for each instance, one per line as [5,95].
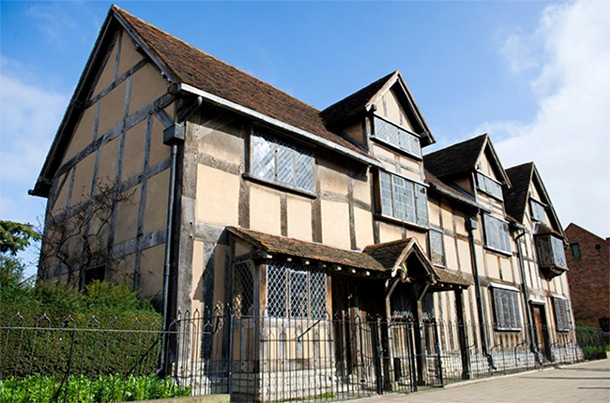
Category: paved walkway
[585,382]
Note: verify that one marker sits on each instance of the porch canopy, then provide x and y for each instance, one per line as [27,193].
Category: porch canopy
[403,258]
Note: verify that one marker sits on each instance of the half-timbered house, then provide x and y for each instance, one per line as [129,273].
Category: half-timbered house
[337,243]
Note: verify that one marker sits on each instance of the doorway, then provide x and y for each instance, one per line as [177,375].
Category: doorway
[541,330]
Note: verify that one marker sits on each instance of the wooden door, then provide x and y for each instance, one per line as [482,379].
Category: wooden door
[542,335]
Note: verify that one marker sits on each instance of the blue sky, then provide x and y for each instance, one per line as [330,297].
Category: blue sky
[534,74]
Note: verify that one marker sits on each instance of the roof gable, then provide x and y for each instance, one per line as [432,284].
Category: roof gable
[463,157]
[516,198]
[364,99]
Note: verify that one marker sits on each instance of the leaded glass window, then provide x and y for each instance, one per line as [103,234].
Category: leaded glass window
[538,211]
[397,136]
[279,161]
[489,185]
[497,235]
[243,295]
[402,199]
[437,250]
[506,309]
[550,251]
[294,290]
[562,314]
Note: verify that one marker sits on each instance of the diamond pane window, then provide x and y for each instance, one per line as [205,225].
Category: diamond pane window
[489,185]
[276,290]
[283,162]
[397,136]
[562,314]
[437,251]
[243,296]
[297,291]
[402,199]
[506,309]
[496,234]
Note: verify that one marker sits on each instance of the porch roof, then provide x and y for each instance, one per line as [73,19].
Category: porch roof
[308,250]
[383,258]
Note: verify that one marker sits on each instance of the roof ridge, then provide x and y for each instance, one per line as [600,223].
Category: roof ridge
[118,9]
[384,78]
[457,144]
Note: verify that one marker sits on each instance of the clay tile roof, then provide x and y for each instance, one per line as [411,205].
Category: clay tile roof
[454,278]
[353,104]
[387,253]
[515,198]
[456,159]
[199,69]
[308,250]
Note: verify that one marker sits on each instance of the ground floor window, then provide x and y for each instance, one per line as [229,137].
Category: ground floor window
[506,309]
[243,293]
[562,314]
[296,291]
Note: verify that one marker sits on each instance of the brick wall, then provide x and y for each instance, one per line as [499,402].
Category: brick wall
[589,276]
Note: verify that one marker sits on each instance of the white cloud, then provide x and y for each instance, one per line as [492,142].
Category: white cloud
[569,138]
[29,117]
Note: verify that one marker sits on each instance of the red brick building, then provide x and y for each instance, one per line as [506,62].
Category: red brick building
[589,276]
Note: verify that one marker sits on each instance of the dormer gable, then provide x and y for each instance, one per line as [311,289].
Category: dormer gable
[388,99]
[529,199]
[455,164]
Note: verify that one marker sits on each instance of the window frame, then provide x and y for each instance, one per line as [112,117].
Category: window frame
[534,214]
[417,155]
[483,189]
[286,293]
[500,295]
[418,221]
[487,231]
[577,245]
[561,311]
[297,148]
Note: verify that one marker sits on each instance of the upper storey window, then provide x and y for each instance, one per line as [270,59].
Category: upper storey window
[497,236]
[285,163]
[402,199]
[538,211]
[396,136]
[489,185]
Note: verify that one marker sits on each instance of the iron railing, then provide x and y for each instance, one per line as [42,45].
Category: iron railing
[260,358]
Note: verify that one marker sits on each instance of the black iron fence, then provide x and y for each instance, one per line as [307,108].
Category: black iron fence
[261,358]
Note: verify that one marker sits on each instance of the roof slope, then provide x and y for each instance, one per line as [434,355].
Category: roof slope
[308,250]
[388,253]
[355,103]
[456,159]
[515,198]
[199,69]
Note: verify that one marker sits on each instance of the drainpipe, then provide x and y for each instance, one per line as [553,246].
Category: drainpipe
[471,225]
[173,136]
[526,297]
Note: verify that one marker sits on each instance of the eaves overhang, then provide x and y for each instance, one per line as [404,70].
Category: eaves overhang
[251,113]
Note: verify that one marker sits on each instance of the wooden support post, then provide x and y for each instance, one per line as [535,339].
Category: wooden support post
[462,334]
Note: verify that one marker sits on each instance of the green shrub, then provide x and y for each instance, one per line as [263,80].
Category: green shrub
[80,389]
[104,330]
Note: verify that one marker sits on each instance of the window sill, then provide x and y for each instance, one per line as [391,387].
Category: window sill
[400,222]
[507,329]
[497,198]
[395,148]
[498,251]
[279,186]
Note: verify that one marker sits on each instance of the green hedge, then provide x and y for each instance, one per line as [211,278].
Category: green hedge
[79,389]
[104,330]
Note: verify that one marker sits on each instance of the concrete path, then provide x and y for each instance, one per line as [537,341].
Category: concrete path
[585,382]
